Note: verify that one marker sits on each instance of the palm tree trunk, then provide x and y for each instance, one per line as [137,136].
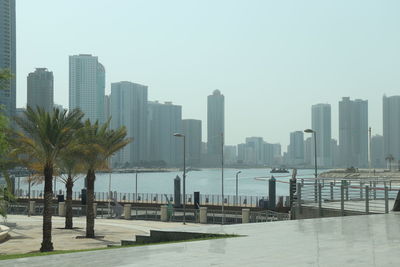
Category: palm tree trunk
[68,204]
[47,245]
[89,204]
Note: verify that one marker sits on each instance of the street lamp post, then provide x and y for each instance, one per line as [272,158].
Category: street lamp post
[184,174]
[222,177]
[237,178]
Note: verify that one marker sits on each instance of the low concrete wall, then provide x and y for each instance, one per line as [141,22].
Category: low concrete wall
[4,230]
[313,212]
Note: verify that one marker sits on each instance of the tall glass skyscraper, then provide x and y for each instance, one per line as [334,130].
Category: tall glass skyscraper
[215,125]
[87,81]
[129,109]
[391,127]
[321,124]
[353,133]
[40,89]
[8,55]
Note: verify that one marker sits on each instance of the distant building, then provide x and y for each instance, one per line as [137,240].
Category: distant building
[321,124]
[215,125]
[165,120]
[296,148]
[269,154]
[377,152]
[193,134]
[255,150]
[8,55]
[391,127]
[40,89]
[230,155]
[335,153]
[107,107]
[129,108]
[353,133]
[87,86]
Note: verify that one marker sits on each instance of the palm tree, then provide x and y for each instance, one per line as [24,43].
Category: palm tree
[70,169]
[44,135]
[98,145]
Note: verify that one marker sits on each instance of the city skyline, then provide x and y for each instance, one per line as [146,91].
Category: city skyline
[324,62]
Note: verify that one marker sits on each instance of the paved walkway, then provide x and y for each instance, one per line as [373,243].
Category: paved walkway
[27,235]
[371,240]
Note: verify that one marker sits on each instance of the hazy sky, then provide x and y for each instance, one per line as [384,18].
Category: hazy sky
[271,59]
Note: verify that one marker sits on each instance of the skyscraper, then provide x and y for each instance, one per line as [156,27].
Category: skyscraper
[129,109]
[8,55]
[215,125]
[87,86]
[353,133]
[40,89]
[321,124]
[377,154]
[164,121]
[296,151]
[391,126]
[192,132]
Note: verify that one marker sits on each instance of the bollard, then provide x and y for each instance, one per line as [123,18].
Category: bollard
[61,209]
[366,199]
[31,207]
[331,186]
[164,213]
[272,194]
[203,214]
[386,199]
[245,215]
[127,211]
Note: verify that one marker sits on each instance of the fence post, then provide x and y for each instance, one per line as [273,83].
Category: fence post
[203,214]
[320,199]
[315,191]
[386,199]
[127,211]
[366,199]
[298,193]
[331,186]
[374,183]
[342,198]
[61,209]
[245,215]
[164,213]
[347,184]
[361,190]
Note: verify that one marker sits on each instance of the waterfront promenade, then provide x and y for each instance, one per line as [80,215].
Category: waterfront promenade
[26,233]
[342,241]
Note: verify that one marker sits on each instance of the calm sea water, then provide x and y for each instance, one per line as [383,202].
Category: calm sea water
[252,182]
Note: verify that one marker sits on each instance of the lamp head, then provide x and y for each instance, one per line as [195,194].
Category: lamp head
[309,131]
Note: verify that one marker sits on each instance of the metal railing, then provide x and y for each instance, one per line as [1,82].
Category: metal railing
[157,198]
[364,195]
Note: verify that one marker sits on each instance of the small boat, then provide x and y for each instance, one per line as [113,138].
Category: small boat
[280,170]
